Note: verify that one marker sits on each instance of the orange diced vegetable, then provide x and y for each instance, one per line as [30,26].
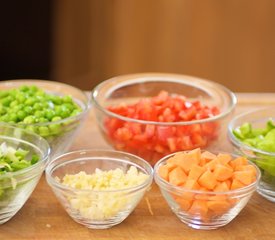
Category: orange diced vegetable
[245,177]
[221,187]
[222,172]
[184,203]
[236,184]
[177,176]
[224,158]
[211,174]
[199,207]
[195,172]
[219,207]
[208,180]
[238,162]
[164,172]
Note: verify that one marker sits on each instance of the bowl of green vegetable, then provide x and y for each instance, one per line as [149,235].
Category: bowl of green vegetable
[253,135]
[23,157]
[53,110]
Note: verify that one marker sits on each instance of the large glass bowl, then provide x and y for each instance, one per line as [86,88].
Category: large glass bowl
[182,201]
[153,140]
[59,134]
[98,207]
[265,160]
[16,187]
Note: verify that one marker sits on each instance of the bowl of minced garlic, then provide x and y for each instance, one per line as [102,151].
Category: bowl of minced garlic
[99,188]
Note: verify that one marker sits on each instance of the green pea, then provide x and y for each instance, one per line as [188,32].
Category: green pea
[42,120]
[75,112]
[30,101]
[39,114]
[44,131]
[21,115]
[31,128]
[67,99]
[55,128]
[20,98]
[6,101]
[13,117]
[23,88]
[29,120]
[49,113]
[56,118]
[28,109]
[4,94]
[38,106]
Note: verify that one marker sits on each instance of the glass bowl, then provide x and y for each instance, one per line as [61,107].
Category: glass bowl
[193,207]
[105,200]
[61,133]
[265,160]
[17,186]
[153,140]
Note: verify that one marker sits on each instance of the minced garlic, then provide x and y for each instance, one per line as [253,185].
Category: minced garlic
[104,203]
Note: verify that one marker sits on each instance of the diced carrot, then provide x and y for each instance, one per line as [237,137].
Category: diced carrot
[177,176]
[219,207]
[191,184]
[211,164]
[224,158]
[211,174]
[228,183]
[208,180]
[184,203]
[222,172]
[164,172]
[238,161]
[199,207]
[246,177]
[248,167]
[221,187]
[195,172]
[218,197]
[208,156]
[186,160]
[236,184]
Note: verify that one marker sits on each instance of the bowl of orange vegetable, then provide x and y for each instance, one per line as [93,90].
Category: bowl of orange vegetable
[206,190]
[152,115]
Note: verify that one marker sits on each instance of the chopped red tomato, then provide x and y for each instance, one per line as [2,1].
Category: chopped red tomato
[155,141]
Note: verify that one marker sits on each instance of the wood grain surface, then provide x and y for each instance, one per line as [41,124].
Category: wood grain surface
[42,217]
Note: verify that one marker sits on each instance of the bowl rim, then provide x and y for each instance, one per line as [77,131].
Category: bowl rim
[56,184]
[170,187]
[86,105]
[45,155]
[163,77]
[238,143]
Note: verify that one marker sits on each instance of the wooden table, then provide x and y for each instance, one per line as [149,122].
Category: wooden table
[42,217]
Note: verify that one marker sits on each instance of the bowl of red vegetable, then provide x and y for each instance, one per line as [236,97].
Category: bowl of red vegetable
[152,115]
[253,135]
[53,110]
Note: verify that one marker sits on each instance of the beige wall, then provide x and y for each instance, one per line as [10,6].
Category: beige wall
[228,41]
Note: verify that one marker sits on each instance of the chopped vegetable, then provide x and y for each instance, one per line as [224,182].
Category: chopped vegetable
[264,140]
[155,141]
[12,160]
[105,202]
[28,105]
[210,173]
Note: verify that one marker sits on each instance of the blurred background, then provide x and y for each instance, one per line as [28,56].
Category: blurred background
[85,42]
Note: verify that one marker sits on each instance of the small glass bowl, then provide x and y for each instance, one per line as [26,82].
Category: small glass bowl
[60,140]
[263,159]
[179,199]
[153,140]
[16,187]
[97,209]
